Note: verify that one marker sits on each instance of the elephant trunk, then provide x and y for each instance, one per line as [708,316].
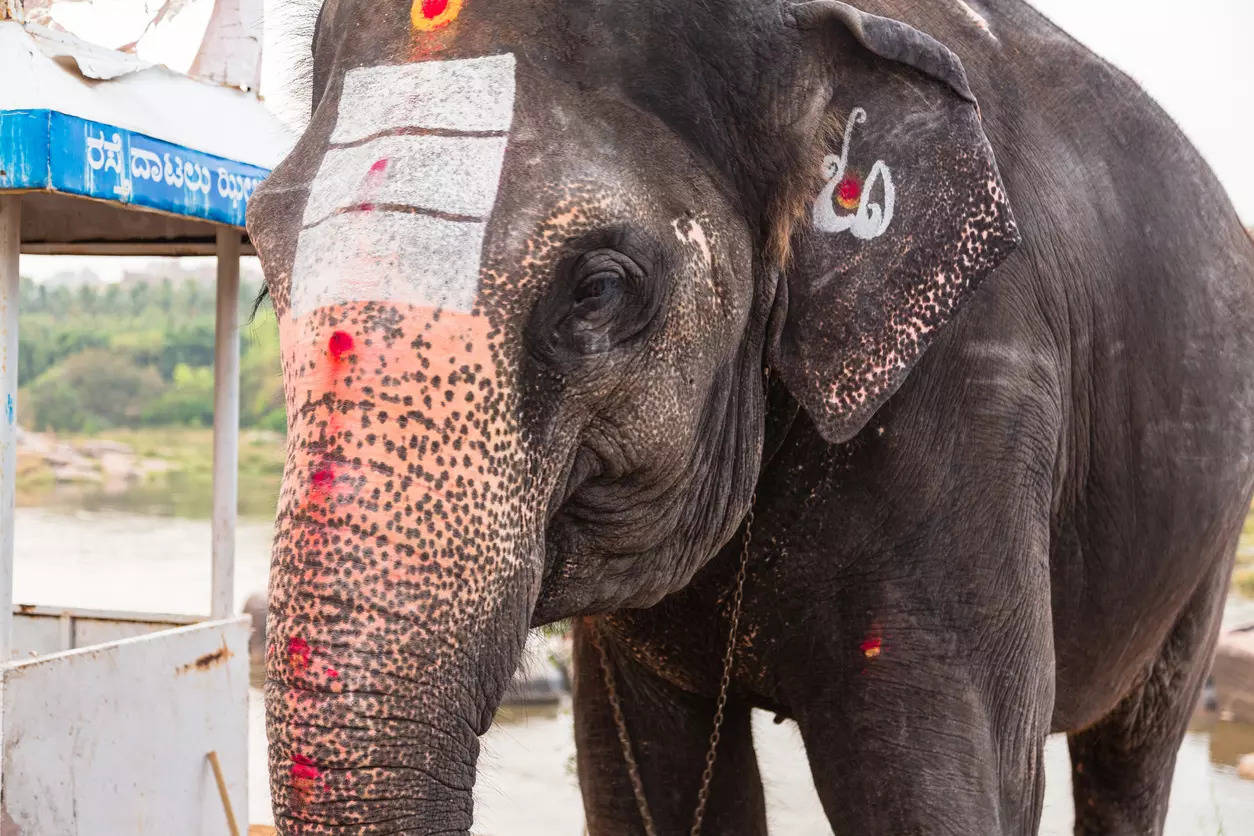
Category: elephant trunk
[405,570]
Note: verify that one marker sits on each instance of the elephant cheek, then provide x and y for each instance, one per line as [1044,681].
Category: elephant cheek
[405,563]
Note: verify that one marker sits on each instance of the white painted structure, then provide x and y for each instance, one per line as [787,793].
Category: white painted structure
[113,738]
[116,723]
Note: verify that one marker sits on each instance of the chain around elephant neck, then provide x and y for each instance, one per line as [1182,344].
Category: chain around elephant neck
[711,753]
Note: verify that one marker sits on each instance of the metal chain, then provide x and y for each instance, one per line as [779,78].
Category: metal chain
[729,657]
[633,771]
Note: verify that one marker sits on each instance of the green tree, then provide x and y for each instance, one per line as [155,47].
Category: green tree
[188,401]
[90,390]
[262,403]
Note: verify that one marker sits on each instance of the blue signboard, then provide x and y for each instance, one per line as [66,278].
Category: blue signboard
[45,149]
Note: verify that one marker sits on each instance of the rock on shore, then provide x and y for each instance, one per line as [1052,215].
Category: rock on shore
[1233,675]
[110,464]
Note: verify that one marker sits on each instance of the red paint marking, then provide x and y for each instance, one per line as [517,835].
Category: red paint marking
[380,165]
[341,342]
[332,673]
[323,478]
[298,653]
[871,647]
[303,768]
[849,191]
[431,9]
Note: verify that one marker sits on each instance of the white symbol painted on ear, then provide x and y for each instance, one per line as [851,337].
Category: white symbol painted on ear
[869,220]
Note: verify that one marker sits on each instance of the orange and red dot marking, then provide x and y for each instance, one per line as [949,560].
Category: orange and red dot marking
[427,15]
[298,653]
[306,776]
[340,343]
[848,192]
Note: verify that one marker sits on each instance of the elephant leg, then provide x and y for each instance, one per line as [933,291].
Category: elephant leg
[1121,767]
[669,731]
[919,720]
[905,766]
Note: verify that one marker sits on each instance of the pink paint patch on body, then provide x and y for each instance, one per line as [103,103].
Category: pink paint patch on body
[306,777]
[370,186]
[298,653]
[303,767]
[332,673]
[341,342]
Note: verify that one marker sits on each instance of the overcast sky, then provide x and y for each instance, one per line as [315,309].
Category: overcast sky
[1196,58]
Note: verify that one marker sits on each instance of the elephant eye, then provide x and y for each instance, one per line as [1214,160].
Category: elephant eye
[602,299]
[604,278]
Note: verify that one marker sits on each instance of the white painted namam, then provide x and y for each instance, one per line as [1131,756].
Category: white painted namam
[400,205]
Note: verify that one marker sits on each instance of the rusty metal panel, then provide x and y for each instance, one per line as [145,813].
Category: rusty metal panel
[42,630]
[36,636]
[89,632]
[114,738]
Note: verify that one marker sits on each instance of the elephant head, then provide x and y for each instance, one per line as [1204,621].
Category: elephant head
[529,259]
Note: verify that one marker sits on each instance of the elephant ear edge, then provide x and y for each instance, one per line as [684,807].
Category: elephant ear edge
[905,216]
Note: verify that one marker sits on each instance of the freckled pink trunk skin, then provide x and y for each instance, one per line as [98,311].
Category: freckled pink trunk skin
[402,578]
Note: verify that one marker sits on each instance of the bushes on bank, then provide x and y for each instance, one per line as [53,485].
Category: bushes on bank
[100,356]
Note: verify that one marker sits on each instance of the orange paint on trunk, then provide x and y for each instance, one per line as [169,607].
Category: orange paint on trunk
[424,385]
[385,569]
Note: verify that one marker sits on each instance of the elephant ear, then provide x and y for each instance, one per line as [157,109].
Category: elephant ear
[904,214]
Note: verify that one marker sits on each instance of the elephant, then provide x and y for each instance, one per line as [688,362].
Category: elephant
[571,292]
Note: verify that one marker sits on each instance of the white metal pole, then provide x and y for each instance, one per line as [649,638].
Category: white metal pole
[10,247]
[225,422]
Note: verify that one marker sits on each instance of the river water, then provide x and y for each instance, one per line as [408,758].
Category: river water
[526,785]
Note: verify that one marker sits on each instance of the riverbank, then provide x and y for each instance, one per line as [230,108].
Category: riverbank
[162,471]
[167,471]
[124,561]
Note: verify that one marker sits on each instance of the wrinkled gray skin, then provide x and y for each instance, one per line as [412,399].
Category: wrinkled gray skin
[1032,532]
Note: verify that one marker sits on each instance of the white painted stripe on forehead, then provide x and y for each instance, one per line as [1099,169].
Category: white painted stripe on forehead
[401,217]
[402,257]
[470,94]
[453,175]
